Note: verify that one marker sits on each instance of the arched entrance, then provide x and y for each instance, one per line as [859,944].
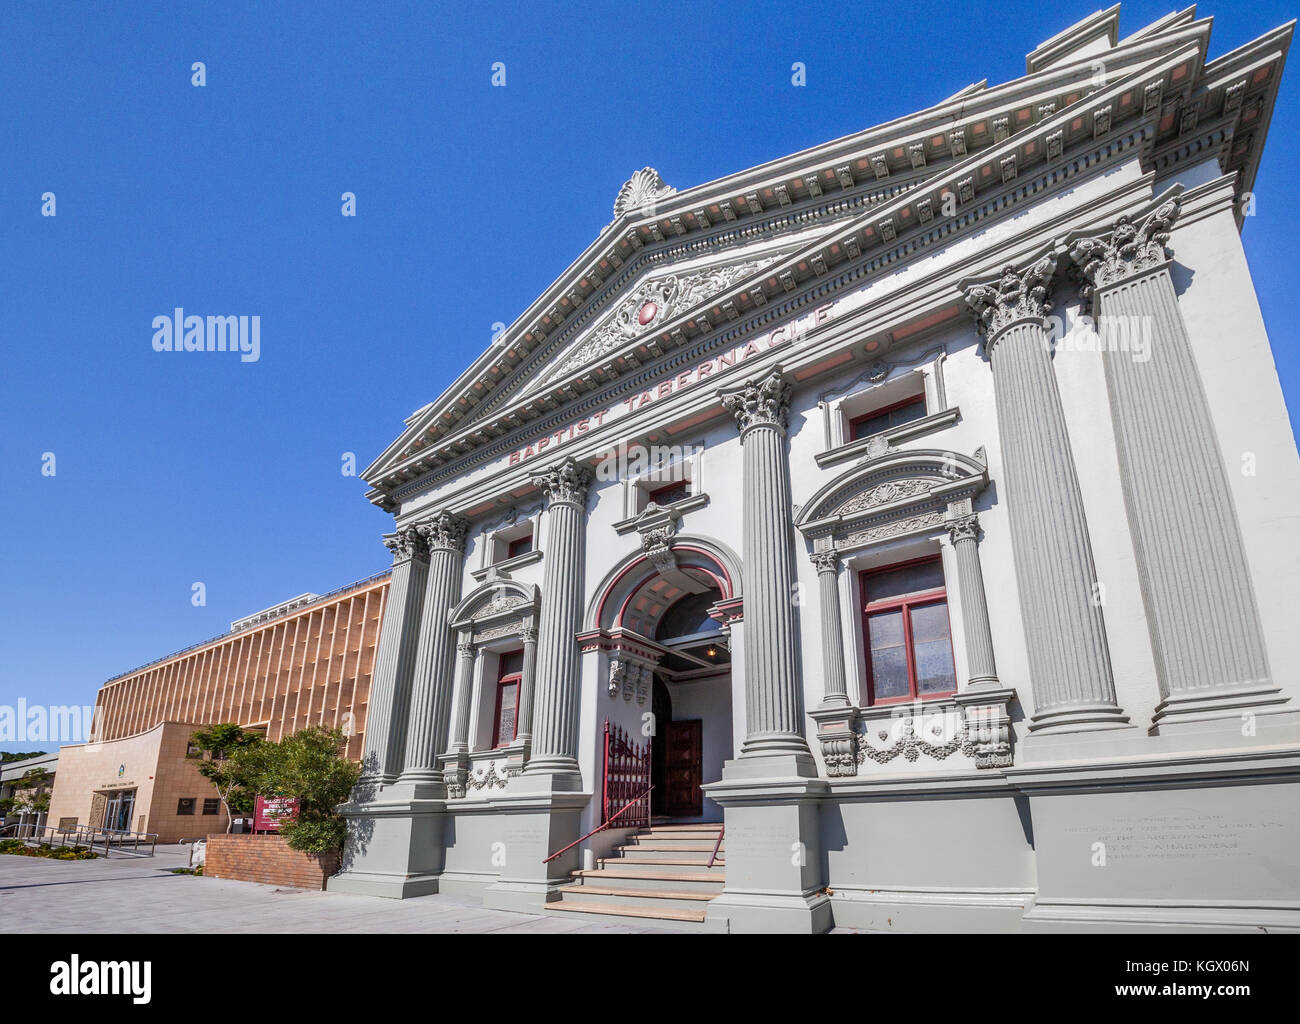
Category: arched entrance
[666,614]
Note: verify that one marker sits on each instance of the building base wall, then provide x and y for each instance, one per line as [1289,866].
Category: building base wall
[394,848]
[1193,842]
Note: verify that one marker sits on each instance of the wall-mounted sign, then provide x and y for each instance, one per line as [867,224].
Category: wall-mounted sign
[268,811]
[787,333]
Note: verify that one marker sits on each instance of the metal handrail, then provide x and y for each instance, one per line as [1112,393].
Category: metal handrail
[105,837]
[718,845]
[601,827]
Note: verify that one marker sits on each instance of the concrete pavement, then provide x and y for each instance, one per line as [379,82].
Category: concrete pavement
[121,894]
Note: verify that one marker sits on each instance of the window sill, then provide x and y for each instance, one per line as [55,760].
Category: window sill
[888,438]
[507,564]
[680,507]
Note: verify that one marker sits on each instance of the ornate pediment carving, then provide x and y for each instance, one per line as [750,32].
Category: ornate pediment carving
[883,494]
[650,305]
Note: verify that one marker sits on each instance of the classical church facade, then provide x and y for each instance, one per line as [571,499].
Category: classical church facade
[896,535]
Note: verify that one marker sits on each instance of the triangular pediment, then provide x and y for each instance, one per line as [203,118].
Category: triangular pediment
[673,265]
[658,297]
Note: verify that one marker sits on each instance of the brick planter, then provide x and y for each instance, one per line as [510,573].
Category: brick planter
[267,859]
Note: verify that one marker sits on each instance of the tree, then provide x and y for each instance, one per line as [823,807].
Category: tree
[308,766]
[30,794]
[226,767]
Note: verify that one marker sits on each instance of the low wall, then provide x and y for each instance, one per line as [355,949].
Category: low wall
[267,859]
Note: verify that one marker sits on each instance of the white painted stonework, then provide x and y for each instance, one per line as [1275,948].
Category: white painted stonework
[1096,451]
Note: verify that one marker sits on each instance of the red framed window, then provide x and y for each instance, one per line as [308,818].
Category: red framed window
[874,422]
[510,670]
[520,546]
[905,626]
[669,493]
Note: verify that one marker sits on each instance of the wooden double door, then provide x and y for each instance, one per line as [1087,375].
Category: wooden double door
[683,757]
[676,760]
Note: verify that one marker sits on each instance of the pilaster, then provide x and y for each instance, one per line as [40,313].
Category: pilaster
[1202,614]
[1069,659]
[426,735]
[399,634]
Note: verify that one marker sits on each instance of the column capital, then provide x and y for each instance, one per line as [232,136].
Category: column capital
[466,649]
[1128,250]
[1015,295]
[444,531]
[965,527]
[406,544]
[763,402]
[566,482]
[528,635]
[826,561]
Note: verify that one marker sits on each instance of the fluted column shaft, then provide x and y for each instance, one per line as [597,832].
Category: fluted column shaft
[426,734]
[555,708]
[835,688]
[390,692]
[981,666]
[1200,603]
[464,697]
[773,692]
[1069,659]
[524,733]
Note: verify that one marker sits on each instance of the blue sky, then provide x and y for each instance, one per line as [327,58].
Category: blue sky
[225,199]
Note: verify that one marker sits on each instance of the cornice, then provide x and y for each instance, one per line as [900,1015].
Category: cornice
[920,301]
[914,231]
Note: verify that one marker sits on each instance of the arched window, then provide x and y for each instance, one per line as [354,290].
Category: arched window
[692,636]
[689,617]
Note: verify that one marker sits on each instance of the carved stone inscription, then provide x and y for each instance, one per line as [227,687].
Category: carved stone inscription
[1173,836]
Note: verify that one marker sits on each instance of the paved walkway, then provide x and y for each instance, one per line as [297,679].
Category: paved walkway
[121,894]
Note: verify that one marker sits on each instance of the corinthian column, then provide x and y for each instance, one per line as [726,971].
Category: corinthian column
[555,706]
[834,683]
[774,700]
[980,665]
[426,731]
[390,690]
[1069,660]
[1200,604]
[524,731]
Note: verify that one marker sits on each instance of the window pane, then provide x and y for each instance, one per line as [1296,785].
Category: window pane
[506,718]
[910,579]
[870,424]
[907,413]
[888,655]
[932,647]
[511,663]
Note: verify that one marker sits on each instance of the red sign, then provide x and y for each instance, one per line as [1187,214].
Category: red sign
[267,812]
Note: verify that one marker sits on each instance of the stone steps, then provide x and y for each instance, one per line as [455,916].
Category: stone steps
[660,874]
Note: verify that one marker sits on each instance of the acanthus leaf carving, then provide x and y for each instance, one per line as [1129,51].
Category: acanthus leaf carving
[1016,295]
[1129,249]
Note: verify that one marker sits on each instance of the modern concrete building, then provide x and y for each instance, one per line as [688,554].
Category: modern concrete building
[304,662]
[920,506]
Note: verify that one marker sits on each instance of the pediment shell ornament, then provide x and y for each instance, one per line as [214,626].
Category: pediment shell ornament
[640,192]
